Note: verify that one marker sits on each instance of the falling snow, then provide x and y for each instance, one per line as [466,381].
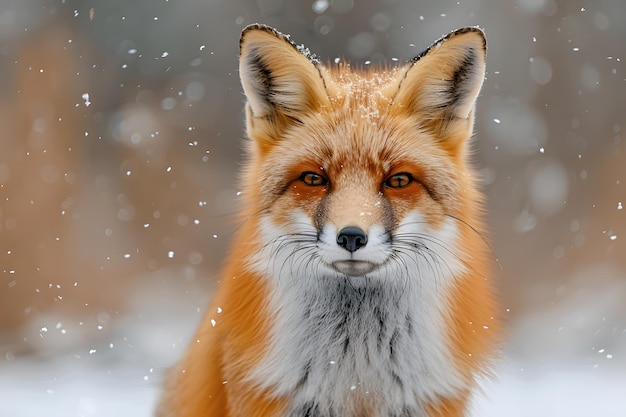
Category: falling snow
[115,217]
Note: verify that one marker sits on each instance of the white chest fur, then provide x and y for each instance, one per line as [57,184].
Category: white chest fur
[338,342]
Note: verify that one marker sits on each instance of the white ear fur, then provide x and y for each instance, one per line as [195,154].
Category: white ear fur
[444,81]
[277,75]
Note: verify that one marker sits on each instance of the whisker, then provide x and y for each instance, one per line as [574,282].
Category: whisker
[417,239]
[482,237]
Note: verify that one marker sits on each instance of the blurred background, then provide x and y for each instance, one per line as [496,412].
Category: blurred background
[120,130]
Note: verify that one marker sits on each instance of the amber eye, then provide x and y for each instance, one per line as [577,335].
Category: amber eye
[400,180]
[312,179]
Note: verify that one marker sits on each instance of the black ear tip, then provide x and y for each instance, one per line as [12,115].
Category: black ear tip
[471,29]
[456,33]
[475,30]
[258,26]
[253,27]
[467,29]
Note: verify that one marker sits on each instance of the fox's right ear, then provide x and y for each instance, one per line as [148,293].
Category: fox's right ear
[441,84]
[278,77]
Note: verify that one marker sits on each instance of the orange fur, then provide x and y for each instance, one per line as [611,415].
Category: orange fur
[383,147]
[209,381]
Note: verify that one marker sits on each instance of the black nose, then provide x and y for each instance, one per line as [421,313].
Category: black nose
[351,238]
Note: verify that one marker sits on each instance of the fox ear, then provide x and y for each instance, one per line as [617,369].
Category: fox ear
[442,83]
[278,77]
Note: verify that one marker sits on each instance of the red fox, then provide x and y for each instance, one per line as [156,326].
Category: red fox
[359,283]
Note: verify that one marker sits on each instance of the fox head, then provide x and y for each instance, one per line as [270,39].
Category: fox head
[361,173]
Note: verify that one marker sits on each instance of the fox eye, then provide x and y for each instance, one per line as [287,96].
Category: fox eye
[312,179]
[400,180]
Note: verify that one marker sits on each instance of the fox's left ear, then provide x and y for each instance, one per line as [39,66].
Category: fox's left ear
[279,77]
[443,82]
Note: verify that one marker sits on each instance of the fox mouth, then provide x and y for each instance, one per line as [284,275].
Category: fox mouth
[354,268]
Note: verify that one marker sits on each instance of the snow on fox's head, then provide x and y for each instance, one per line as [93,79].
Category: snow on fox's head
[348,163]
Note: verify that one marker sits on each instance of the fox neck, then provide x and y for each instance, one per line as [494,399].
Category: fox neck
[342,343]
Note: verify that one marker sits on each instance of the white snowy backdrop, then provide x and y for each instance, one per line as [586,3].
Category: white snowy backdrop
[120,125]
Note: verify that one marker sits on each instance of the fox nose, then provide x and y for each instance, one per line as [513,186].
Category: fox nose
[351,238]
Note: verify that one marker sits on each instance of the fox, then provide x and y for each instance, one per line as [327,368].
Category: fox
[359,282]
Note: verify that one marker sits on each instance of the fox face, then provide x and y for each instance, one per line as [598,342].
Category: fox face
[354,172]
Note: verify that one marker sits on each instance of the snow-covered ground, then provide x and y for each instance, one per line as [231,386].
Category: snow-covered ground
[61,388]
[558,391]
[64,387]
